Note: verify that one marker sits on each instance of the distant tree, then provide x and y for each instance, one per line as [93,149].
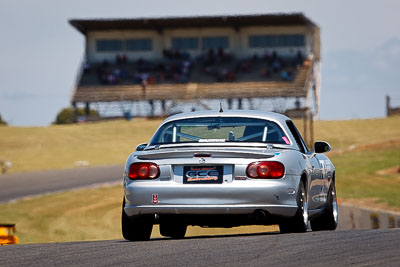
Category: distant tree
[66,115]
[3,123]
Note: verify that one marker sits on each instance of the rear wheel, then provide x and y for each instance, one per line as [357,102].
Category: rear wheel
[136,228]
[299,222]
[328,220]
[174,228]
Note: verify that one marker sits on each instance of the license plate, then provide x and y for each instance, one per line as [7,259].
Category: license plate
[203,174]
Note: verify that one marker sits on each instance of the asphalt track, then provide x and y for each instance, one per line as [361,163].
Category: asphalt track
[19,185]
[335,248]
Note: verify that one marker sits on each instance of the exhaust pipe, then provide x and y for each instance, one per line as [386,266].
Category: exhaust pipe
[260,216]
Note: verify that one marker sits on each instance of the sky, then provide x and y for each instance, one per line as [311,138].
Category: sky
[40,53]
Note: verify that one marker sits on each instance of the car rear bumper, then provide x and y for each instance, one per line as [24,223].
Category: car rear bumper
[276,197]
[279,210]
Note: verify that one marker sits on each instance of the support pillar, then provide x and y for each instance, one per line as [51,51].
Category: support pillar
[240,104]
[229,103]
[75,112]
[311,129]
[87,109]
[305,116]
[387,106]
[151,103]
[163,107]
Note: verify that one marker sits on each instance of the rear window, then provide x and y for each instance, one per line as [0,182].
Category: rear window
[220,129]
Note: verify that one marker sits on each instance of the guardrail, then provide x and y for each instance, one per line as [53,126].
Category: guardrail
[354,217]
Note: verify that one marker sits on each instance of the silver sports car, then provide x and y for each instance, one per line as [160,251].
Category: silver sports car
[226,169]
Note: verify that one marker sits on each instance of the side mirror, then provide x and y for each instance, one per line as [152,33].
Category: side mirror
[141,147]
[321,147]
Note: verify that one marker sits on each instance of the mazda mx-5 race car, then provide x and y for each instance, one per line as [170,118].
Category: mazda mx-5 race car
[226,169]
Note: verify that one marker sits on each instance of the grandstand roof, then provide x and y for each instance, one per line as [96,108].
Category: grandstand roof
[237,21]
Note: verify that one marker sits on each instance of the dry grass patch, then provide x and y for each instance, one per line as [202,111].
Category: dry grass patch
[85,214]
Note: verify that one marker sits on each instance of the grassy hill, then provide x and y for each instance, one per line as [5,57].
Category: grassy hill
[366,154]
[60,146]
[55,147]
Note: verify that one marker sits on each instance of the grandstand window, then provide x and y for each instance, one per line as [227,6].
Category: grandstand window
[291,40]
[109,45]
[185,43]
[139,44]
[256,41]
[215,42]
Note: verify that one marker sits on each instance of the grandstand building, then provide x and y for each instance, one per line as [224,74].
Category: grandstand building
[156,66]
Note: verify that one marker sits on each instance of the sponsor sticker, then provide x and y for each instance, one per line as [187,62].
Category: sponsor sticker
[211,140]
[206,174]
[286,140]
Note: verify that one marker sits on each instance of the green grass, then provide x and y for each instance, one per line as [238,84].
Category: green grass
[357,174]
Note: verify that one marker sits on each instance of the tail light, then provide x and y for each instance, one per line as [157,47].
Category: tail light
[265,170]
[143,170]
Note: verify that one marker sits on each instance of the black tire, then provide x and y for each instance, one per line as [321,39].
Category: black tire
[328,220]
[175,229]
[299,222]
[136,228]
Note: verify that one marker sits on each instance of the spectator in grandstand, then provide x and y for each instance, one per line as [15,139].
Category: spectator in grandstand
[144,76]
[307,63]
[152,79]
[117,73]
[144,85]
[284,75]
[276,65]
[210,58]
[222,74]
[118,59]
[186,66]
[300,58]
[124,74]
[274,55]
[178,67]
